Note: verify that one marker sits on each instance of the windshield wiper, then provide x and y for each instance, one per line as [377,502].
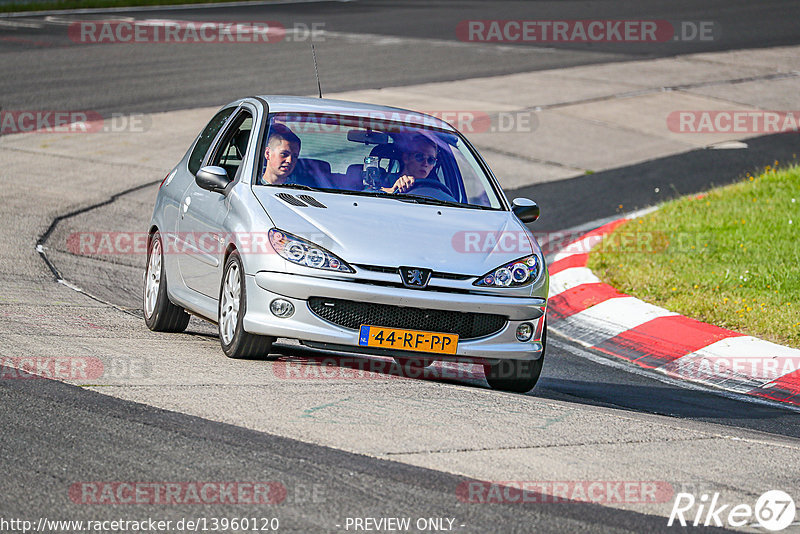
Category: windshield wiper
[419,199]
[360,193]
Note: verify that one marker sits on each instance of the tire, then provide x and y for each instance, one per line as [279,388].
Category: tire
[236,343]
[518,376]
[160,314]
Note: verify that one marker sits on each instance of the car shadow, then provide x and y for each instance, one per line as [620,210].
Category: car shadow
[295,361]
[659,398]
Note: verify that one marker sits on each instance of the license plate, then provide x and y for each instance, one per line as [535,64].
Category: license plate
[401,339]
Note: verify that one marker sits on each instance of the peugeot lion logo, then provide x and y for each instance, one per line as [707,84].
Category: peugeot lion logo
[415,277]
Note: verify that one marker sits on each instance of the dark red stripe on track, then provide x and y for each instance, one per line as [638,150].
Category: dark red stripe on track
[784,389]
[664,339]
[576,260]
[579,298]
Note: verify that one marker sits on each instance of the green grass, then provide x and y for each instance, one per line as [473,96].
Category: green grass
[730,257]
[83,4]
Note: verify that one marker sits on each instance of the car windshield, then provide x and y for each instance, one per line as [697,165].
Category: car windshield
[370,156]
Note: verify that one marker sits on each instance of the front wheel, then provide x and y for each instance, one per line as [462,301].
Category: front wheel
[160,315]
[518,376]
[236,343]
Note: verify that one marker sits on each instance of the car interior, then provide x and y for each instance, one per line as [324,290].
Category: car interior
[234,146]
[443,183]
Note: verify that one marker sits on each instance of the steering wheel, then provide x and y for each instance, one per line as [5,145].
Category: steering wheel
[431,184]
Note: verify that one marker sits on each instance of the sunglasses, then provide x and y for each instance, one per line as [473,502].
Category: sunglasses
[420,157]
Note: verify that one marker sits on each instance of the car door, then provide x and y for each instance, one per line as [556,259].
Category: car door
[201,224]
[184,175]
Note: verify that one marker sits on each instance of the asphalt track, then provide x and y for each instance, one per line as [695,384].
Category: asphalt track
[358,52]
[54,433]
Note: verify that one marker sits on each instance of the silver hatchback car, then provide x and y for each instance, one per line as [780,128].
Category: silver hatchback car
[348,227]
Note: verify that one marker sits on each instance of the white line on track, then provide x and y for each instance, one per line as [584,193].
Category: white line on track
[66,21]
[21,23]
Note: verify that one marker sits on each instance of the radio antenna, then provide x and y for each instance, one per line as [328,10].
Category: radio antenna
[316,72]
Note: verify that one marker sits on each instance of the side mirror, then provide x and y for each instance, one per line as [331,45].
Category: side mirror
[525,209]
[211,178]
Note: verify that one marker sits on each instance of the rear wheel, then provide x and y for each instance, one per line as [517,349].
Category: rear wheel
[236,343]
[518,376]
[160,314]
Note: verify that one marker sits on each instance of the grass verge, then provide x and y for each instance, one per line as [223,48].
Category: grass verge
[86,4]
[730,257]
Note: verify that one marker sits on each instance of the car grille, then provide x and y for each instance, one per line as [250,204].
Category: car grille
[349,314]
[396,270]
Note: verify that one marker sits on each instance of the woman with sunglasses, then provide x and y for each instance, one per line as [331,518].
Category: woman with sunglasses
[417,160]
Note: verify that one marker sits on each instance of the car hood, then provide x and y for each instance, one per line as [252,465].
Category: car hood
[392,233]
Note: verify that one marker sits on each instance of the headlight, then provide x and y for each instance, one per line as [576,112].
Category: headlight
[304,252]
[514,274]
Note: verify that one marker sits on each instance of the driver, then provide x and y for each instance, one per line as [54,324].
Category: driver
[417,160]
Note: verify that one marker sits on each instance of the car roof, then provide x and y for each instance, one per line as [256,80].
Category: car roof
[300,104]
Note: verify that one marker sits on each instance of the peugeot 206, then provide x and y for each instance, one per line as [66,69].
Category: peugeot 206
[348,227]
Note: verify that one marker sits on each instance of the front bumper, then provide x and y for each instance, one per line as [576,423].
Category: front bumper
[304,325]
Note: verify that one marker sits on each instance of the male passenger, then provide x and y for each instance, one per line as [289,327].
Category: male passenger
[282,153]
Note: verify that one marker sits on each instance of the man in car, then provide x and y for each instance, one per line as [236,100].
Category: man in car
[281,155]
[417,160]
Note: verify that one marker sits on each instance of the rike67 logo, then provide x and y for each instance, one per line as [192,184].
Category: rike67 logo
[774,510]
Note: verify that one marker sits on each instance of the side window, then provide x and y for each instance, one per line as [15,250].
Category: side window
[233,145]
[208,135]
